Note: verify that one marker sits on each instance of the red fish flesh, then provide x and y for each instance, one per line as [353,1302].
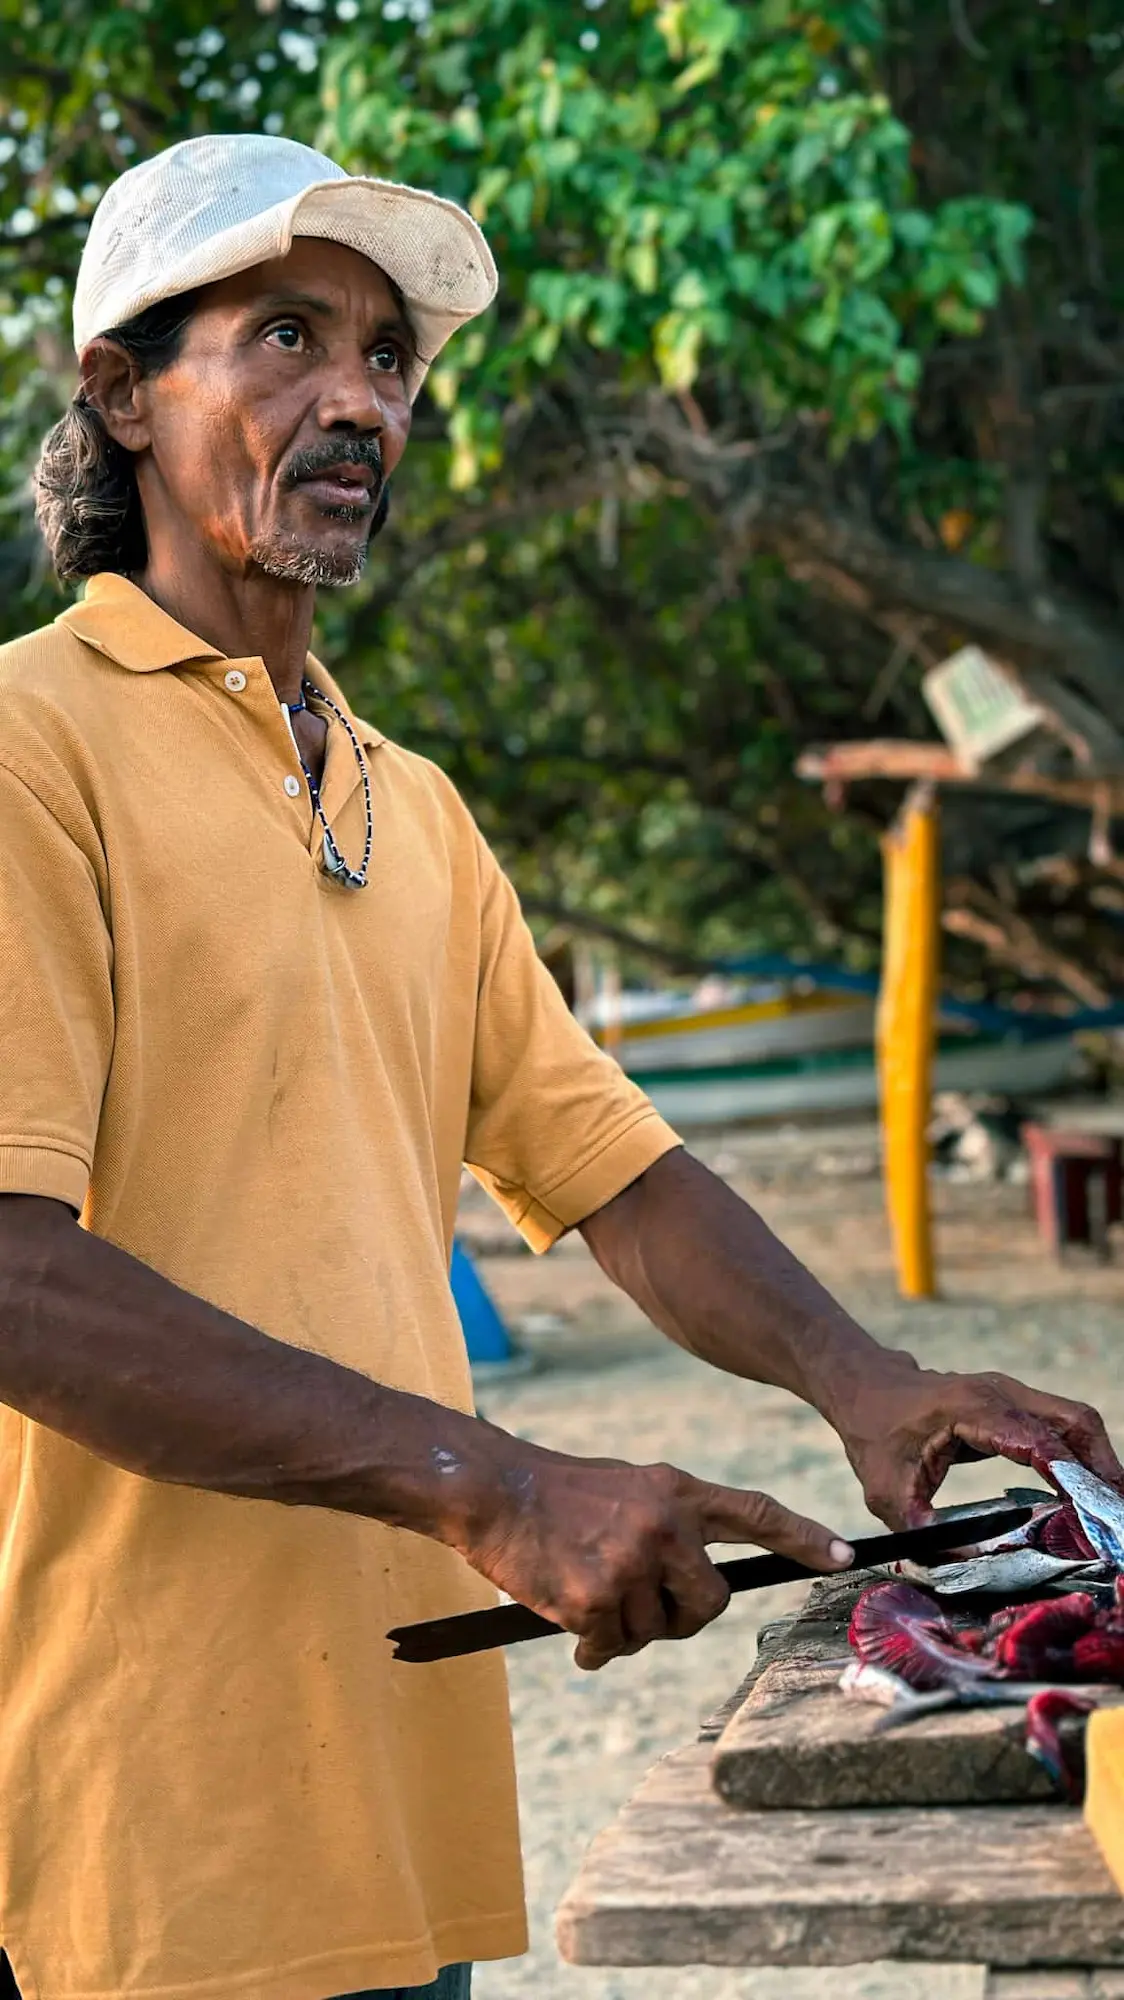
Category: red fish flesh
[1065,1761]
[904,1631]
[901,1629]
[1039,1644]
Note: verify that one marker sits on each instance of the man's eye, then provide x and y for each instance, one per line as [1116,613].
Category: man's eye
[287,336]
[387,358]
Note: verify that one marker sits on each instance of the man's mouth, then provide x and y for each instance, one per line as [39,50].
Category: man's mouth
[342,485]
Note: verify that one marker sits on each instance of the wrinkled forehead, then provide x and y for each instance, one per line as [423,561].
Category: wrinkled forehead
[329,281]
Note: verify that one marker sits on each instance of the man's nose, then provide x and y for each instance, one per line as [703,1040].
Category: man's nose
[351,399]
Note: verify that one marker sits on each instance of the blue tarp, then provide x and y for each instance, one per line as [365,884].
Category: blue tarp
[486,1337]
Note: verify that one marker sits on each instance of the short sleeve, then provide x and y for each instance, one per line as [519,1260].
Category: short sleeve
[56,1000]
[555,1127]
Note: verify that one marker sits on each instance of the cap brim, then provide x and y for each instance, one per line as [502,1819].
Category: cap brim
[432,250]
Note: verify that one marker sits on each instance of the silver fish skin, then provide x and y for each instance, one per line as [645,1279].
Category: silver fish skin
[1100,1509]
[1013,1694]
[875,1684]
[1005,1572]
[1003,1565]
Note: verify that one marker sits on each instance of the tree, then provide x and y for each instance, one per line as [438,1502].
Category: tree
[807,366]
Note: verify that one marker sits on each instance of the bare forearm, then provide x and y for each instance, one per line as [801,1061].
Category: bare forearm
[104,1350]
[101,1348]
[710,1273]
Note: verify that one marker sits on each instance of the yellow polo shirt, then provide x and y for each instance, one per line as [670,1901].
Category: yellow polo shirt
[213,1780]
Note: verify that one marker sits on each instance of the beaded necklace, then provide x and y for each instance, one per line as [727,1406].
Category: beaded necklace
[334,863]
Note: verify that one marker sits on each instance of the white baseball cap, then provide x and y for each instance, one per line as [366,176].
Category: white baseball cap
[209,207]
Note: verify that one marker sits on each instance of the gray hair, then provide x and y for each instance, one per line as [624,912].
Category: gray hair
[86,498]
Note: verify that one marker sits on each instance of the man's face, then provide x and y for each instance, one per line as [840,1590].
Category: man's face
[271,435]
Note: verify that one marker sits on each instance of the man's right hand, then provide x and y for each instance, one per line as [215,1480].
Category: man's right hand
[617,1553]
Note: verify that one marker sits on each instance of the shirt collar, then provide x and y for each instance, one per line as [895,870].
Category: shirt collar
[118,619]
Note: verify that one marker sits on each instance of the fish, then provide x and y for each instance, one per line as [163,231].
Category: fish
[1050,1548]
[902,1703]
[903,1630]
[1006,1573]
[1059,1656]
[1039,1642]
[866,1683]
[1065,1761]
[1098,1655]
[1058,1532]
[979,1694]
[1100,1509]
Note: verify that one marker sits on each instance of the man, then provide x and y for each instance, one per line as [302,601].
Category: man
[265,989]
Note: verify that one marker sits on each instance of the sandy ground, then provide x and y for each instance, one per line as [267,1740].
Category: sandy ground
[607,1382]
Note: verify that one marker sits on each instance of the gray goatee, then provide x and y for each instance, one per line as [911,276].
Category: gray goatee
[290,563]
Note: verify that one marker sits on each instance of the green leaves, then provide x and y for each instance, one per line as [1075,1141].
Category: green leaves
[968,251]
[710,188]
[798,224]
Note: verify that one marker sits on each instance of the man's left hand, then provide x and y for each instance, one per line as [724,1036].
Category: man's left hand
[705,1267]
[906,1426]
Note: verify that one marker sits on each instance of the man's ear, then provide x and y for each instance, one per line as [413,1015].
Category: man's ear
[112,384]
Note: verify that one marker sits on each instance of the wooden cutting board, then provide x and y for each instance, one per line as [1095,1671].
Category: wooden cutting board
[796,1743]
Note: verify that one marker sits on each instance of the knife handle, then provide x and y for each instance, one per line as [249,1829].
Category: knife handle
[506,1624]
[470,1632]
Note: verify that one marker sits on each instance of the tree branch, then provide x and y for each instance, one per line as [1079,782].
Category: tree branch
[631,942]
[406,558]
[826,548]
[961,28]
[847,556]
[850,763]
[1010,938]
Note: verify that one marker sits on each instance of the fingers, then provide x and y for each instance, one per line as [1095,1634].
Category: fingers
[1092,1445]
[603,1639]
[726,1514]
[999,1429]
[1031,1427]
[690,1597]
[646,1575]
[986,1415]
[1077,1425]
[648,1615]
[695,1593]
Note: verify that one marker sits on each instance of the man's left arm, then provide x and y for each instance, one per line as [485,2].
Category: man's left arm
[712,1276]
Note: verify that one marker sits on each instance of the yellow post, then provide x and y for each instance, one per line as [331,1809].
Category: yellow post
[906,1032]
[1104,1788]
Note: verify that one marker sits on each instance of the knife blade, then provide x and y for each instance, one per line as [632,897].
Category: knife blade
[509,1624]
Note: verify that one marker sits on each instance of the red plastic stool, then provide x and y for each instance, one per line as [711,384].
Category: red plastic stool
[1076,1183]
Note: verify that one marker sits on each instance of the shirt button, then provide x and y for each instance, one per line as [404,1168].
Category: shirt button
[293,786]
[235,680]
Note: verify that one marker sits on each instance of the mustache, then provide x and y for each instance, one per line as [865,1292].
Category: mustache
[365,451]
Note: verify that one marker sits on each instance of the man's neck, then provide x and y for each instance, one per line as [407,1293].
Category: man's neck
[247,617]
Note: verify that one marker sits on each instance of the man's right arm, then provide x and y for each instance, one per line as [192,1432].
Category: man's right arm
[104,1350]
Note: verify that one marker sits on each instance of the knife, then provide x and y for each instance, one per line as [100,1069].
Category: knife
[508,1624]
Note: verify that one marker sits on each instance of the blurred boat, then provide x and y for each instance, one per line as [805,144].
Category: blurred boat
[846,1080]
[784,1054]
[648,1037]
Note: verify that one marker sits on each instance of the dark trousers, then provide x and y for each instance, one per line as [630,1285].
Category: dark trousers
[455,1983]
